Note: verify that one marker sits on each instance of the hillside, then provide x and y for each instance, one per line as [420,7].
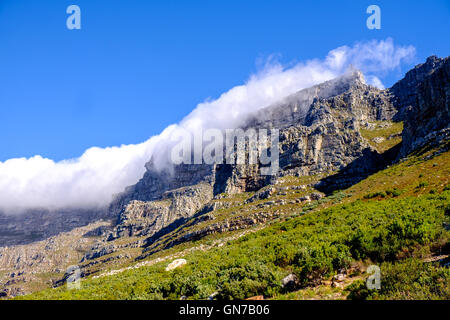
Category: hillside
[403,227]
[363,180]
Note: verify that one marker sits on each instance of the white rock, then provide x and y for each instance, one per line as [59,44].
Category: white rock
[378,139]
[175,264]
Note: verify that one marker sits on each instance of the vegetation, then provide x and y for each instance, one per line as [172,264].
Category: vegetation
[398,225]
[415,176]
[313,246]
[389,131]
[409,279]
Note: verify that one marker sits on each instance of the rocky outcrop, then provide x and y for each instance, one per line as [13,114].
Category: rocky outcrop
[145,218]
[329,138]
[156,182]
[37,225]
[151,218]
[319,131]
[295,109]
[23,265]
[405,90]
[428,118]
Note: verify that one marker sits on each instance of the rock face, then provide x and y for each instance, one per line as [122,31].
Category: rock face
[319,131]
[36,225]
[428,118]
[155,183]
[296,108]
[405,91]
[22,265]
[145,218]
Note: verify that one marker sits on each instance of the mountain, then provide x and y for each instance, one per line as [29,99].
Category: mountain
[334,138]
[40,224]
[319,134]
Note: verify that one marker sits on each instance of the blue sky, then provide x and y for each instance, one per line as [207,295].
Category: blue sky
[137,66]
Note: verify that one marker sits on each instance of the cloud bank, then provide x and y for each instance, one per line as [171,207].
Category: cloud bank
[91,180]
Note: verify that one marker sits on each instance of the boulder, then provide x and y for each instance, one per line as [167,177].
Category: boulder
[176,264]
[290,282]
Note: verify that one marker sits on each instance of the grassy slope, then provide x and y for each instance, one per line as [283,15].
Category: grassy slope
[395,230]
[389,131]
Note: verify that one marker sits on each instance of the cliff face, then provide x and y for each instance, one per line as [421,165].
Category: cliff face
[428,118]
[36,225]
[301,108]
[405,91]
[319,131]
[154,184]
[145,218]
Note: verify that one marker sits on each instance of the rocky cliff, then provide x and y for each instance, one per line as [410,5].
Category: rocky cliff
[36,225]
[405,91]
[320,133]
[145,218]
[428,118]
[326,132]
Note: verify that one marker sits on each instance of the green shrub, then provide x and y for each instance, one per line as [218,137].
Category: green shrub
[406,280]
[422,184]
[394,192]
[372,195]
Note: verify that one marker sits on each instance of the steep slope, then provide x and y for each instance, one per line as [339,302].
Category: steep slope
[27,268]
[405,91]
[428,120]
[332,136]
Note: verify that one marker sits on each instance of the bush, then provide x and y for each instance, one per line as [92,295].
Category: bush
[394,192]
[422,184]
[372,195]
[411,279]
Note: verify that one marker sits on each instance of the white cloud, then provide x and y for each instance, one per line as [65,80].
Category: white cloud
[374,81]
[92,179]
